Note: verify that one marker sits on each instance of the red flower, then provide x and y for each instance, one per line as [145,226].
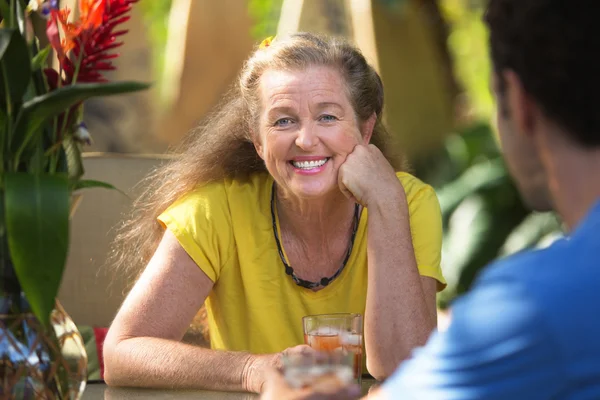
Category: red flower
[88,41]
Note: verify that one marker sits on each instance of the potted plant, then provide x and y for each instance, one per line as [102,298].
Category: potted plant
[41,134]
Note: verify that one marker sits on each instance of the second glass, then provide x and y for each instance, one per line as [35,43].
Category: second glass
[336,332]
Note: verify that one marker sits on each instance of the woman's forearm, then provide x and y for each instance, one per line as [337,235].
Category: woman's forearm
[397,317]
[162,363]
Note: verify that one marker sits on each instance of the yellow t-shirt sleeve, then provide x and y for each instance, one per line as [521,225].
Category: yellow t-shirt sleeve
[426,230]
[201,222]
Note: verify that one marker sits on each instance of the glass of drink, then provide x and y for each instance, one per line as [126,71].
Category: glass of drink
[336,333]
[324,372]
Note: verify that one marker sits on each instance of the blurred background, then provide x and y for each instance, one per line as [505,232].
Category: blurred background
[431,55]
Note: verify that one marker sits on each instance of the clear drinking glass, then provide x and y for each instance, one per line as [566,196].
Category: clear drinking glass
[340,333]
[324,372]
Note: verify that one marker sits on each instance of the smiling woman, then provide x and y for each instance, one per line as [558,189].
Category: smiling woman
[264,217]
[307,129]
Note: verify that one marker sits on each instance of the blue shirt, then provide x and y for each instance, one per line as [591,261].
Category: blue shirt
[529,329]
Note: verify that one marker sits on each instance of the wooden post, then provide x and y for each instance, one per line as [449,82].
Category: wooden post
[419,94]
[403,46]
[207,44]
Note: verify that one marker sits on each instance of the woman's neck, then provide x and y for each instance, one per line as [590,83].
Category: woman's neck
[315,221]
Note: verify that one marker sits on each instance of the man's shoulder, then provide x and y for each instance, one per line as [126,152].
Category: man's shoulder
[567,262]
[530,266]
[571,260]
[558,284]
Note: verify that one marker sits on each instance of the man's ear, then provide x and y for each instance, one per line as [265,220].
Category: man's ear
[522,108]
[367,128]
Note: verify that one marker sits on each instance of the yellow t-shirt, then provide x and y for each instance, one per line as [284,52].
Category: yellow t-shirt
[227,229]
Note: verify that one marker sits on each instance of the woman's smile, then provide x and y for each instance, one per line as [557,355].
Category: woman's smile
[309,165]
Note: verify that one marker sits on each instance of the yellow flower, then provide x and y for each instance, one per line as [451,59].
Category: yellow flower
[266,42]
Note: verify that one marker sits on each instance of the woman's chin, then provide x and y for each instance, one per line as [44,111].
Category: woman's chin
[313,190]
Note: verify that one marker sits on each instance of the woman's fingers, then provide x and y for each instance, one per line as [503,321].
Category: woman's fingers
[277,388]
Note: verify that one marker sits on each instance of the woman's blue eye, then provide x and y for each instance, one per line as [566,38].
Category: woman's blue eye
[328,118]
[283,122]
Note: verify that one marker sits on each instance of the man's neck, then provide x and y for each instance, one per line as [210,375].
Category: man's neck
[574,177]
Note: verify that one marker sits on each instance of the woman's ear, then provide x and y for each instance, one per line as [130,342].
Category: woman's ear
[367,128]
[257,145]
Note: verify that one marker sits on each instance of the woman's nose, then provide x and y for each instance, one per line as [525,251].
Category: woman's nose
[307,138]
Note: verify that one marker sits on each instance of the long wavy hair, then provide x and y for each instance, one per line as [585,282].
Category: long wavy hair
[222,147]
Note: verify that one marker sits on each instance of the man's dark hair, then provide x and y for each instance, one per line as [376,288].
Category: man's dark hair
[554,48]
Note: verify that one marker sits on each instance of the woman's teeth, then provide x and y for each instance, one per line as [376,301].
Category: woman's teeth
[309,164]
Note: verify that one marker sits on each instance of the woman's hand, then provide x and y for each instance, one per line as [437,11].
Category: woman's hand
[255,373]
[276,388]
[367,177]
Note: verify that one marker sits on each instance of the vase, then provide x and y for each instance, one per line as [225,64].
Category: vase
[37,362]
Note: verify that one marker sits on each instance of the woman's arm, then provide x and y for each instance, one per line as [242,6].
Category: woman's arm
[143,345]
[400,311]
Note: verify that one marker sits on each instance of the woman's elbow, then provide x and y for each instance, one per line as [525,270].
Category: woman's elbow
[112,375]
[382,369]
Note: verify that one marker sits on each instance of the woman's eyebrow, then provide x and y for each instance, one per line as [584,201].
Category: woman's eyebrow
[278,110]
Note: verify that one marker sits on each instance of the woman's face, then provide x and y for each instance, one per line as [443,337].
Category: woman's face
[307,127]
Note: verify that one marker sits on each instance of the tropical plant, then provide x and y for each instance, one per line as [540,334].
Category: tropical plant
[265,14]
[156,15]
[483,215]
[42,131]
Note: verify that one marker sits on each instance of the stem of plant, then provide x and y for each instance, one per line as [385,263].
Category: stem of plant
[6,141]
[54,158]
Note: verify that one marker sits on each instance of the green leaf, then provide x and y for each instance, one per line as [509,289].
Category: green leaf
[5,37]
[37,162]
[480,176]
[90,183]
[73,155]
[6,14]
[36,112]
[39,60]
[2,121]
[3,141]
[20,16]
[37,222]
[15,64]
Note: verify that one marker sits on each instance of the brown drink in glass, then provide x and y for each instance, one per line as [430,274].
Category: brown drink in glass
[336,333]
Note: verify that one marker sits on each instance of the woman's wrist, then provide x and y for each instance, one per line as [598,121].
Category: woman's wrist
[390,201]
[253,374]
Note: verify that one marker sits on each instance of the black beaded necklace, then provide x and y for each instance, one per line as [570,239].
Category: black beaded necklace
[290,271]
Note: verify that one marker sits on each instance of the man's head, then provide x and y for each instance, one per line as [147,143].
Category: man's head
[546,64]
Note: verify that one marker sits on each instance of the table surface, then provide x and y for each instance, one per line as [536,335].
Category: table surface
[97,391]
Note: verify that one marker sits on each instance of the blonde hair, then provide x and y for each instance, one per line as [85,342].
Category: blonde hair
[222,146]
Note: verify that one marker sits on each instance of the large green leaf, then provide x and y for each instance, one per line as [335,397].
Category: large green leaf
[15,66]
[37,222]
[476,231]
[37,111]
[480,176]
